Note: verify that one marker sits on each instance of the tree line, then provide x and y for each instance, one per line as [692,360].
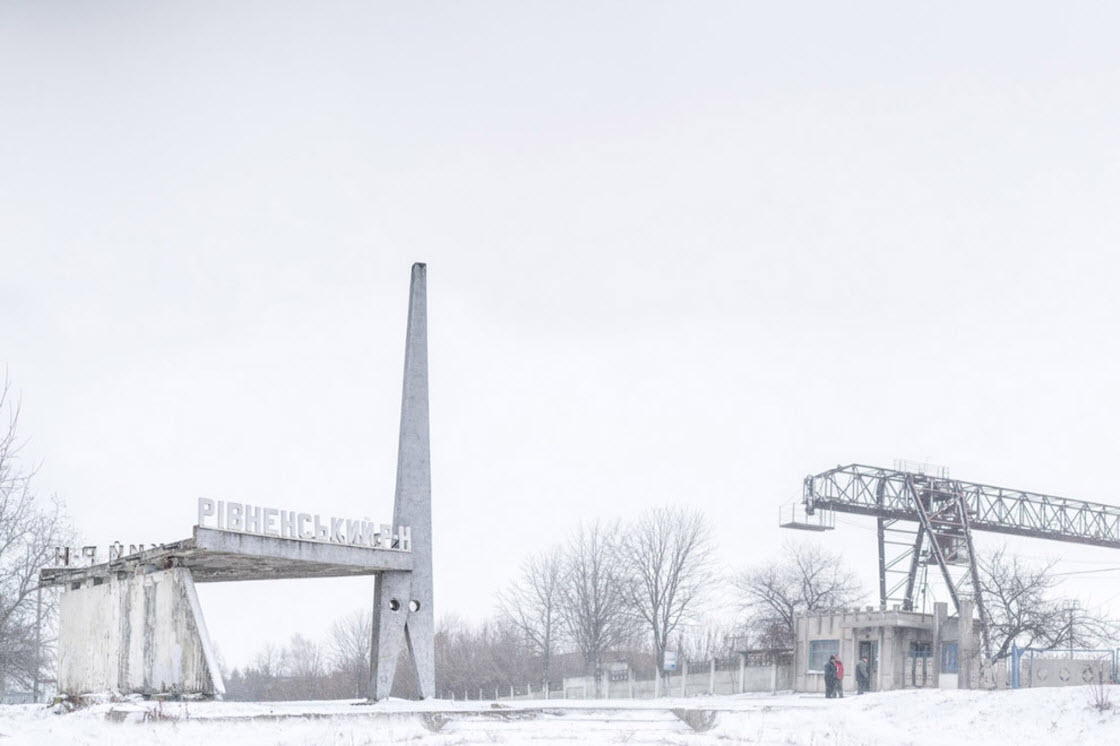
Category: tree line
[617,593]
[599,595]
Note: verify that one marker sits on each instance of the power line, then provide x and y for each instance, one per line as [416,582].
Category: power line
[1086,572]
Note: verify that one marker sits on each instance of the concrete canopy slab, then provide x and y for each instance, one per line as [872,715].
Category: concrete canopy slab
[214,555]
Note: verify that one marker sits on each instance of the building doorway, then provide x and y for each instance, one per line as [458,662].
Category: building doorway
[870,649]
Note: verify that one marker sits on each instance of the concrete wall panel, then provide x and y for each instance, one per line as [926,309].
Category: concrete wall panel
[140,633]
[1063,671]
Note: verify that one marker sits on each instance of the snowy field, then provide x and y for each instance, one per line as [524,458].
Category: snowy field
[1055,717]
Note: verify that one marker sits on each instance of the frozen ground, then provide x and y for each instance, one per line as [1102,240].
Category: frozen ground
[1055,717]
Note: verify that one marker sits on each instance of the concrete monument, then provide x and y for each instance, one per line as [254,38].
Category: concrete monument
[133,624]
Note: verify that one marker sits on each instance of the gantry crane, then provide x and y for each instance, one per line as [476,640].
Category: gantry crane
[925,518]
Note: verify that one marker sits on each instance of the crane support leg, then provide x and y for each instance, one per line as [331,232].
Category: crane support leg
[974,571]
[912,577]
[882,531]
[935,547]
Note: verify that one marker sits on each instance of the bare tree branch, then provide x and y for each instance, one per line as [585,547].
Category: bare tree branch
[348,649]
[593,611]
[1023,608]
[532,605]
[807,578]
[666,565]
[29,530]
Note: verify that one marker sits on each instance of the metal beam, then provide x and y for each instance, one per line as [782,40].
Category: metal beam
[882,534]
[878,492]
[912,574]
[952,509]
[935,546]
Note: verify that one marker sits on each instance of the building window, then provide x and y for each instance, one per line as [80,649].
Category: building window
[949,657]
[819,651]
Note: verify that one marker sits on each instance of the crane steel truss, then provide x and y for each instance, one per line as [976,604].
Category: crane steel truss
[869,490]
[946,512]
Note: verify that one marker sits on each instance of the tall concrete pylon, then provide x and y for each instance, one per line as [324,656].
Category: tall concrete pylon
[402,601]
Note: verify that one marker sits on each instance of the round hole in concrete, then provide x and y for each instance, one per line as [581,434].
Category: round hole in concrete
[394,605]
[414,605]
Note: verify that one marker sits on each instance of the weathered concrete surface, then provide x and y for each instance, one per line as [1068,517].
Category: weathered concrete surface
[402,604]
[216,555]
[231,555]
[135,633]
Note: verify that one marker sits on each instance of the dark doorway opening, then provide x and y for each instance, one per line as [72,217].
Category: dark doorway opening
[870,648]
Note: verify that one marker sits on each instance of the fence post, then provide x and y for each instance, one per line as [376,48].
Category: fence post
[630,681]
[684,678]
[712,677]
[656,683]
[742,672]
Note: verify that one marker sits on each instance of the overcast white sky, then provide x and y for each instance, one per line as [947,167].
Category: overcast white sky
[678,253]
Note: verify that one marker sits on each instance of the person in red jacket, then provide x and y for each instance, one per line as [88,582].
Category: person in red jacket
[839,678]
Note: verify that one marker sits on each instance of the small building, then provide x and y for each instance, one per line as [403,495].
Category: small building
[906,649]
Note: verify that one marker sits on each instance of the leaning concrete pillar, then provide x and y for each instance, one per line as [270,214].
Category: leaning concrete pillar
[403,600]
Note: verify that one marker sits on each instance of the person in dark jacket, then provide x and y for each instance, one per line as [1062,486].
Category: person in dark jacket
[838,687]
[830,677]
[863,675]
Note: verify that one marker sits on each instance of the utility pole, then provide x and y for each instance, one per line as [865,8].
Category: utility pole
[38,640]
[1071,608]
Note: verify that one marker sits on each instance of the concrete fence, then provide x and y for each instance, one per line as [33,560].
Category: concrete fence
[694,679]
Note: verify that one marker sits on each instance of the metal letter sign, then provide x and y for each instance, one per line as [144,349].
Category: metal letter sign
[288,524]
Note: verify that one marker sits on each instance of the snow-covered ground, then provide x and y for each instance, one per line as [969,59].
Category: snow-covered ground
[1055,717]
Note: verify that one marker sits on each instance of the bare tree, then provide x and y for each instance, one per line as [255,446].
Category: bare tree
[532,605]
[666,567]
[302,659]
[463,660]
[472,659]
[806,578]
[29,531]
[1022,608]
[595,617]
[267,660]
[351,639]
[707,641]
